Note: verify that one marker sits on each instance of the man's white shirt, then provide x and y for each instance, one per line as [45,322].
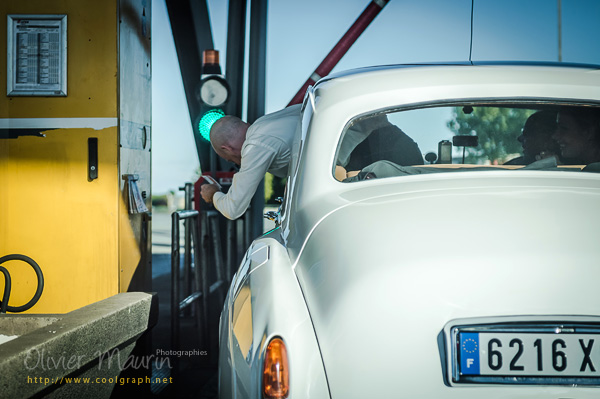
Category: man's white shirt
[267,148]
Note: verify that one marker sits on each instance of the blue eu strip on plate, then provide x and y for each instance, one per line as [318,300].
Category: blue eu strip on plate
[469,353]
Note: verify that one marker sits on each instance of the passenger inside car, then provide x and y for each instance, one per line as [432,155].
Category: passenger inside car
[578,135]
[537,139]
[374,139]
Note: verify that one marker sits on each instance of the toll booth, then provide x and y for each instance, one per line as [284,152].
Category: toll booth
[75,147]
[75,175]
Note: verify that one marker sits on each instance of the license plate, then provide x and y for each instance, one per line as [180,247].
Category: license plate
[553,355]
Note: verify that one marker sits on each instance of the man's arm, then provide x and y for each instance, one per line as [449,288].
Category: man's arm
[256,161]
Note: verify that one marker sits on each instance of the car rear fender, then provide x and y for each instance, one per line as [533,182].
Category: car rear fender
[249,321]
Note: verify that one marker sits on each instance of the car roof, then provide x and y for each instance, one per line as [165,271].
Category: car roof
[362,70]
[368,89]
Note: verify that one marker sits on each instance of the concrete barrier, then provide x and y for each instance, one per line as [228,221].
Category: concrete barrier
[77,354]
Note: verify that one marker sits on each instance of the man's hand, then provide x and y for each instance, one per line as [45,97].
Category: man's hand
[207,191]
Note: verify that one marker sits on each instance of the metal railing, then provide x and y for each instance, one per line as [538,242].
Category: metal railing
[206,269]
[196,253]
[200,281]
[188,190]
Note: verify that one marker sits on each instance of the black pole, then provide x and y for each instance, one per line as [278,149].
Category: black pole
[236,51]
[192,34]
[256,96]
[257,60]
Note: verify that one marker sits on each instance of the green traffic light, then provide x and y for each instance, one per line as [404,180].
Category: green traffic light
[207,120]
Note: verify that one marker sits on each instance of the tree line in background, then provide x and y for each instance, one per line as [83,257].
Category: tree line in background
[496,127]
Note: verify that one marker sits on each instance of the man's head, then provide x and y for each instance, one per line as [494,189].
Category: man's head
[227,136]
[578,135]
[537,135]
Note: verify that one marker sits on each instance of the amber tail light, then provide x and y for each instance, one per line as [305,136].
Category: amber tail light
[276,371]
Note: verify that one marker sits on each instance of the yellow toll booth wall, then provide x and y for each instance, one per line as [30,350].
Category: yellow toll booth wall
[80,231]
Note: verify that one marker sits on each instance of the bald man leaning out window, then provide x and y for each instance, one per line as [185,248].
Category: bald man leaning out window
[264,146]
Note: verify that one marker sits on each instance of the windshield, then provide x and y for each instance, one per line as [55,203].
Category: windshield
[471,136]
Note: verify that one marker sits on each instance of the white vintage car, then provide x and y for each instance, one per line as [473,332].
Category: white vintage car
[439,238]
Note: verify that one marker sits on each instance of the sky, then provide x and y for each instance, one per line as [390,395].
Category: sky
[301,33]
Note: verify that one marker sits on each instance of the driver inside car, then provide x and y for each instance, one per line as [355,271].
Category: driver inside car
[578,135]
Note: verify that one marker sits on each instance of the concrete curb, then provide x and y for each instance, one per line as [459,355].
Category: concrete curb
[91,342]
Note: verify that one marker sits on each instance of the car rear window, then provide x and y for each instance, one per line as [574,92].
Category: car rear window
[470,137]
